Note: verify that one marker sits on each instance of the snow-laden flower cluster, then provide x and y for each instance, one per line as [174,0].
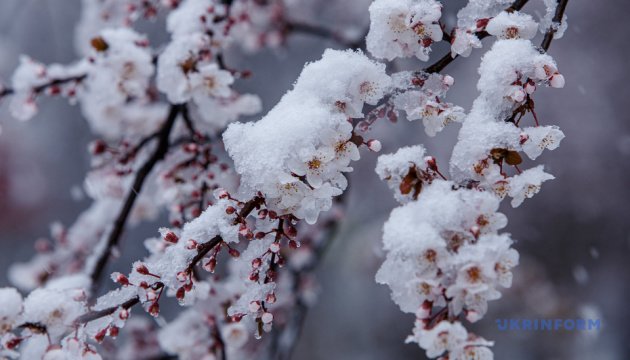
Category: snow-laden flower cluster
[424,99]
[189,71]
[116,98]
[488,141]
[45,316]
[112,85]
[403,28]
[444,251]
[297,153]
[28,82]
[445,257]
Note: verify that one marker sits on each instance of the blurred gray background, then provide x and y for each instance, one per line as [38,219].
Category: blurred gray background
[574,237]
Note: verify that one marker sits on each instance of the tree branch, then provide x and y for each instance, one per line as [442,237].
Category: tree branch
[142,174]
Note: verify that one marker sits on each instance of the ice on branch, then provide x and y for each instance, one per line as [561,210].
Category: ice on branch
[403,28]
[296,155]
[424,99]
[546,22]
[490,138]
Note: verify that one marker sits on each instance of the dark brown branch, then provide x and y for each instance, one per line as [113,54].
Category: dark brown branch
[142,174]
[94,315]
[445,60]
[557,19]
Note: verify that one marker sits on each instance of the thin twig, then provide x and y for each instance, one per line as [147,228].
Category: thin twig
[141,175]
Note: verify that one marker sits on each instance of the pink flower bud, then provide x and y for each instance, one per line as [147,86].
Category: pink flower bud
[191,244]
[142,269]
[171,237]
[154,309]
[291,231]
[267,318]
[182,276]
[448,80]
[557,81]
[124,314]
[256,263]
[210,265]
[374,145]
[100,336]
[180,294]
[254,306]
[270,298]
[530,87]
[234,253]
[120,279]
[97,147]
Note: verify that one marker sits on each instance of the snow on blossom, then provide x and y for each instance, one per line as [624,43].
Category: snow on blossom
[11,308]
[186,71]
[28,79]
[475,10]
[115,99]
[463,42]
[426,103]
[403,28]
[196,17]
[452,338]
[485,137]
[406,171]
[472,18]
[307,133]
[55,306]
[536,139]
[72,348]
[546,22]
[527,184]
[424,237]
[512,25]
